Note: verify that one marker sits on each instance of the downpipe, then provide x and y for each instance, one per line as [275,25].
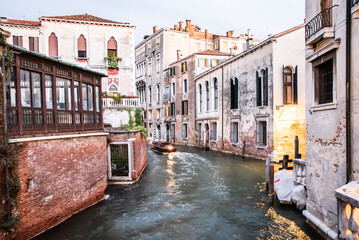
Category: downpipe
[348,92]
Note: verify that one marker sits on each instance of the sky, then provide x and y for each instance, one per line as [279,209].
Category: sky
[263,17]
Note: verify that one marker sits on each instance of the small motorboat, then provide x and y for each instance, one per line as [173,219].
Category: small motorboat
[163,147]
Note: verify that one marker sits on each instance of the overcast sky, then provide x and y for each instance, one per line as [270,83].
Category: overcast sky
[262,16]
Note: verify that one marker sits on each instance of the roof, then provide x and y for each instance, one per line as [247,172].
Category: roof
[213,52]
[40,55]
[83,17]
[289,30]
[20,22]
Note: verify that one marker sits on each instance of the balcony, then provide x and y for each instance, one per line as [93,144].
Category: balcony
[320,27]
[109,102]
[355,9]
[348,210]
[354,2]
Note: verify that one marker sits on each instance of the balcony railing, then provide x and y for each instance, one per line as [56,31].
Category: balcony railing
[354,2]
[124,103]
[348,210]
[322,20]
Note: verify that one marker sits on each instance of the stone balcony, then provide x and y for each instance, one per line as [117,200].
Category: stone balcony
[348,210]
[124,103]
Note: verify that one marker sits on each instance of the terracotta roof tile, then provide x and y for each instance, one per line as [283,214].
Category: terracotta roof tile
[21,22]
[290,30]
[82,17]
[213,52]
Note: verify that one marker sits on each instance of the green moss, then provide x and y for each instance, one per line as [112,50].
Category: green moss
[13,187]
[11,223]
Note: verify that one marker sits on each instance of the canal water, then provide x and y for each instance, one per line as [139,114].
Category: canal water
[190,194]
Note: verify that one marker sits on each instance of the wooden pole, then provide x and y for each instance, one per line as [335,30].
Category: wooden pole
[285,162]
[271,183]
[243,149]
[296,148]
[267,174]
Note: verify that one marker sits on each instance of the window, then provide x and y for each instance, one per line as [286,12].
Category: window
[234,132]
[167,111]
[158,63]
[184,67]
[48,91]
[34,44]
[184,130]
[215,93]
[158,113]
[184,107]
[290,95]
[207,96]
[198,45]
[150,93]
[200,98]
[167,92]
[81,47]
[87,97]
[262,87]
[214,62]
[262,133]
[203,62]
[185,85]
[216,45]
[158,93]
[173,131]
[53,45]
[150,114]
[149,62]
[30,84]
[172,71]
[173,109]
[158,40]
[234,93]
[225,44]
[173,89]
[17,40]
[11,89]
[63,94]
[210,46]
[324,82]
[149,45]
[214,131]
[112,47]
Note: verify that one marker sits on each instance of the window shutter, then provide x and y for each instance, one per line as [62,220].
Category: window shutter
[20,41]
[174,70]
[266,88]
[295,86]
[259,90]
[182,107]
[186,66]
[232,94]
[264,133]
[199,62]
[207,62]
[236,94]
[283,87]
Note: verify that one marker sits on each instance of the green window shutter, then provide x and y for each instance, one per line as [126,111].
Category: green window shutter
[186,66]
[259,90]
[295,86]
[266,88]
[236,93]
[174,70]
[232,94]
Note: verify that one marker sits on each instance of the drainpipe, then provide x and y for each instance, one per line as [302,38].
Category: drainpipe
[222,108]
[348,89]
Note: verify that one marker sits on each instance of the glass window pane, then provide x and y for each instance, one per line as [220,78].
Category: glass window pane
[25,88]
[77,95]
[84,97]
[90,97]
[63,91]
[36,89]
[48,89]
[97,99]
[11,90]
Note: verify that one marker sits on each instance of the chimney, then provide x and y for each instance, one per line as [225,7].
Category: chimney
[3,19]
[206,33]
[176,27]
[154,29]
[230,33]
[180,25]
[178,54]
[188,25]
[249,39]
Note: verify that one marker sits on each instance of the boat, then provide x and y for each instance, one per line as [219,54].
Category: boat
[163,147]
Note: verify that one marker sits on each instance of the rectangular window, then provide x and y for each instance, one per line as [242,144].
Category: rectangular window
[158,40]
[198,45]
[30,83]
[214,131]
[167,92]
[77,95]
[234,93]
[166,111]
[48,91]
[185,86]
[214,62]
[234,132]
[173,89]
[149,45]
[17,40]
[11,89]
[63,94]
[262,87]
[216,45]
[97,99]
[173,131]
[173,109]
[184,130]
[184,107]
[203,62]
[288,86]
[150,114]
[324,82]
[262,133]
[150,93]
[184,67]
[84,97]
[158,113]
[225,44]
[210,46]
[172,71]
[34,44]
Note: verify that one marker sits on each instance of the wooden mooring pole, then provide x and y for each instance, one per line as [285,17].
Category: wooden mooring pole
[243,149]
[271,183]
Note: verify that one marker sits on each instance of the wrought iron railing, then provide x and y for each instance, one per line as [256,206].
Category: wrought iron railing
[322,20]
[354,2]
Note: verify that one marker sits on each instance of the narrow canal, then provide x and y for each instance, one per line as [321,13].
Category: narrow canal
[191,194]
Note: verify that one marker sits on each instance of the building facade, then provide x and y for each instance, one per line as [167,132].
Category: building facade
[102,45]
[331,115]
[180,94]
[167,45]
[253,104]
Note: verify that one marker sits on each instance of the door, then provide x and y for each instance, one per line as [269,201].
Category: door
[167,132]
[120,164]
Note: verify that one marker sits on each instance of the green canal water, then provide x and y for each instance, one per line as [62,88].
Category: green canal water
[190,194]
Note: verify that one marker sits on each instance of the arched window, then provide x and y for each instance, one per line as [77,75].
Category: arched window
[207,96]
[112,47]
[288,86]
[234,93]
[215,93]
[53,46]
[81,47]
[113,88]
[262,87]
[200,98]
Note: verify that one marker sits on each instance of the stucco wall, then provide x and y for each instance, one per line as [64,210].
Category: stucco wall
[116,118]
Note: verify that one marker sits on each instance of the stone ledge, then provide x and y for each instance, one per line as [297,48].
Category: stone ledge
[17,140]
[349,193]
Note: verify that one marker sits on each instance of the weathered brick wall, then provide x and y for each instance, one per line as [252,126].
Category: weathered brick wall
[139,149]
[58,178]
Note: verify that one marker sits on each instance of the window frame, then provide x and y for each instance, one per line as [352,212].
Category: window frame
[262,140]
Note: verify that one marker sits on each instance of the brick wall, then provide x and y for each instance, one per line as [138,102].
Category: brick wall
[58,178]
[139,148]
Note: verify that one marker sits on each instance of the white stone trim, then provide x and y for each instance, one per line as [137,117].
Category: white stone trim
[17,140]
[322,107]
[324,228]
[327,48]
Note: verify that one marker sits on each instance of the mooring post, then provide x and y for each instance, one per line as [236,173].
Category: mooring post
[271,183]
[267,174]
[243,149]
[296,148]
[285,162]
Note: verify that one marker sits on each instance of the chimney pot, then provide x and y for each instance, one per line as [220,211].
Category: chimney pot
[230,33]
[206,33]
[154,29]
[188,24]
[180,25]
[176,27]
